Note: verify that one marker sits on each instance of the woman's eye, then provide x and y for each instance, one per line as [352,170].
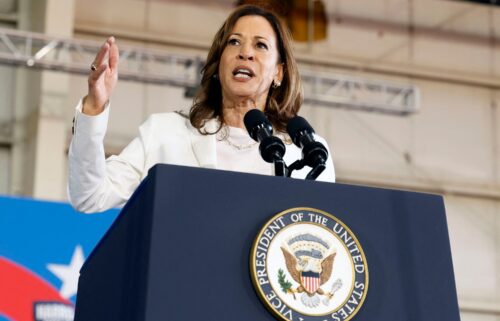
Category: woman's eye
[261,45]
[233,42]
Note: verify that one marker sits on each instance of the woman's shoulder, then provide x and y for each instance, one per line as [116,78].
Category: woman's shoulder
[165,125]
[174,116]
[167,121]
[177,122]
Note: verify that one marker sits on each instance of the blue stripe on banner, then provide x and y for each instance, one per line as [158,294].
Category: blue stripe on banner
[4,318]
[36,234]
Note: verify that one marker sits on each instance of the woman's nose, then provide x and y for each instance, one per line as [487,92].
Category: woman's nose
[246,53]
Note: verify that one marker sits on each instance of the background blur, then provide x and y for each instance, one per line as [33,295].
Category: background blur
[406,92]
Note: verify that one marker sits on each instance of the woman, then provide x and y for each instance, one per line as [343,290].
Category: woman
[250,65]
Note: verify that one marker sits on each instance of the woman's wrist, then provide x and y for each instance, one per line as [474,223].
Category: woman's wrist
[90,109]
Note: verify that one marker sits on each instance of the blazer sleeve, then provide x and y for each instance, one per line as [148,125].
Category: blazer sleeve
[96,184]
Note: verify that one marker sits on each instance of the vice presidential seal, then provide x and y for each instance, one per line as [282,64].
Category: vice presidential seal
[307,265]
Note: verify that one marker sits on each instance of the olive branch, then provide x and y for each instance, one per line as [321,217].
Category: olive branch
[285,285]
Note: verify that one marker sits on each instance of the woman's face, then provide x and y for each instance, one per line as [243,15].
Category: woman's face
[250,61]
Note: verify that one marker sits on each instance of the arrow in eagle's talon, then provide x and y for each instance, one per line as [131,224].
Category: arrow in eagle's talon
[335,287]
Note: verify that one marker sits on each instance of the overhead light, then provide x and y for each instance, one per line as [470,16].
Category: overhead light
[298,16]
[299,20]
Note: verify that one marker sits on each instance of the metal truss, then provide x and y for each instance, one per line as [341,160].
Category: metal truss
[360,93]
[36,50]
[75,56]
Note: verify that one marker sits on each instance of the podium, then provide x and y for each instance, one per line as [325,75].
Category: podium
[180,248]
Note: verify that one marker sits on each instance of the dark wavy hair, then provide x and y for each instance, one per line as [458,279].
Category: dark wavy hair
[283,102]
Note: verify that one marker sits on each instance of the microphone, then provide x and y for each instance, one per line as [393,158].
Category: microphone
[314,153]
[271,148]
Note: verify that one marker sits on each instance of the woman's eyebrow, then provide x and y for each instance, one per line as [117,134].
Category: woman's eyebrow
[240,35]
[261,37]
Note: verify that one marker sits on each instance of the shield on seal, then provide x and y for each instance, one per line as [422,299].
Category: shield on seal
[310,281]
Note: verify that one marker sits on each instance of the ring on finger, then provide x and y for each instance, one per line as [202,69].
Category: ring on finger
[93,67]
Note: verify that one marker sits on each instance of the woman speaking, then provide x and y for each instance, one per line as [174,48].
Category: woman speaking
[250,65]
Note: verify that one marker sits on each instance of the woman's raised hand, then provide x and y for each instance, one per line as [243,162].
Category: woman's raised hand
[102,78]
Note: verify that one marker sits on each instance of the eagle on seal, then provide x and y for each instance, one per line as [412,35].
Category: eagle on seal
[309,260]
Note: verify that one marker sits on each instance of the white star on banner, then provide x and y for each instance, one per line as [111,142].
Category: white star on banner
[69,274]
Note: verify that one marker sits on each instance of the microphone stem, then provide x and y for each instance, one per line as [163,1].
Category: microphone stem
[316,171]
[280,168]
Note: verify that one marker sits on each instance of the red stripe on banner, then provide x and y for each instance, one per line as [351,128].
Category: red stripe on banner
[311,284]
[20,288]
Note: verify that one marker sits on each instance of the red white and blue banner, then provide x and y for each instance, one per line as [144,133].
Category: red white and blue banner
[42,248]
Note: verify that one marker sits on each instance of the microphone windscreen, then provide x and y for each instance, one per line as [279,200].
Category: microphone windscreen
[295,126]
[253,118]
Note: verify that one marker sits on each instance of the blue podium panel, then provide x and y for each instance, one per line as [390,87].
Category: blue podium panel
[180,248]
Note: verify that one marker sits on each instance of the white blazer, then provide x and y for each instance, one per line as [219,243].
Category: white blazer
[96,184]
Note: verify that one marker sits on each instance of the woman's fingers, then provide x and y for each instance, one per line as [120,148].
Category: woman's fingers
[102,55]
[114,55]
[102,79]
[107,56]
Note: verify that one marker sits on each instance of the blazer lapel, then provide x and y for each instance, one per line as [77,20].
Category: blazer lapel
[204,145]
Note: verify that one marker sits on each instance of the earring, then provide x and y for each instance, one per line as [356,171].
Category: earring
[215,76]
[276,84]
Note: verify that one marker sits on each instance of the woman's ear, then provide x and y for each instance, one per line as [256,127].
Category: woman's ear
[280,69]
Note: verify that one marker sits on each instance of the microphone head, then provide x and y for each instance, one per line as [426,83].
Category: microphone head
[254,120]
[296,127]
